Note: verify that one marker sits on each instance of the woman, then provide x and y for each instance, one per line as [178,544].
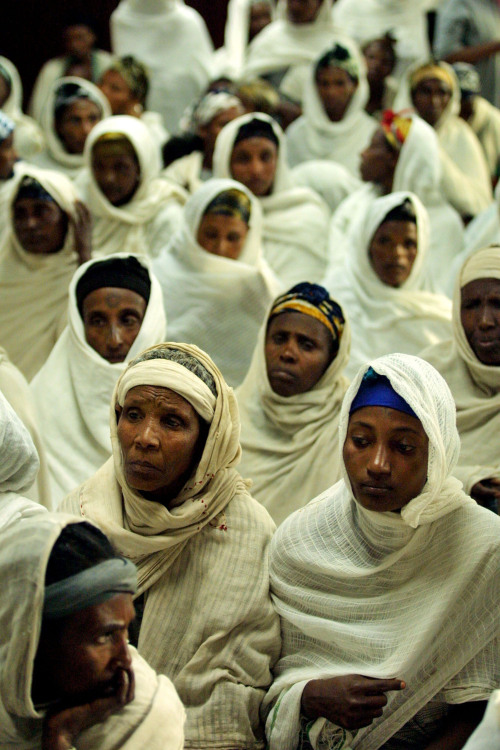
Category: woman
[172,500]
[387,566]
[115,311]
[132,209]
[290,400]
[29,138]
[382,287]
[125,85]
[334,125]
[77,683]
[470,362]
[252,150]
[216,286]
[245,20]
[433,90]
[47,236]
[73,108]
[380,60]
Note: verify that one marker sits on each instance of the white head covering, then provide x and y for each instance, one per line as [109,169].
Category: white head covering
[295,218]
[19,464]
[34,288]
[74,387]
[232,56]
[199,287]
[28,137]
[386,594]
[290,444]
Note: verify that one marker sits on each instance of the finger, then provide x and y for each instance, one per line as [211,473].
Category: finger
[382,686]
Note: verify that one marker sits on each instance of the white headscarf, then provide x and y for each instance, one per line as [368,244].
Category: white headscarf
[19,464]
[388,319]
[124,228]
[475,386]
[214,302]
[74,387]
[34,288]
[386,594]
[28,137]
[290,445]
[295,218]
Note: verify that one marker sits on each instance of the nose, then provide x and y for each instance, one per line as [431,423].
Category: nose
[486,319]
[256,167]
[115,338]
[121,654]
[146,435]
[378,461]
[87,126]
[288,351]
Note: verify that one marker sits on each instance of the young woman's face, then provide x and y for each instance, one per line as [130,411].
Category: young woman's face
[378,161]
[393,250]
[253,163]
[430,98]
[40,225]
[76,123]
[336,89]
[386,456]
[117,174]
[480,317]
[222,235]
[117,92]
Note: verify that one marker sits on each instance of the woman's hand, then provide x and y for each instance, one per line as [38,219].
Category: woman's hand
[351,701]
[82,224]
[487,492]
[62,727]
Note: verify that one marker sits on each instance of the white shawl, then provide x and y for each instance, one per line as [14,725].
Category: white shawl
[34,288]
[315,136]
[230,59]
[485,122]
[151,216]
[475,386]
[295,228]
[208,620]
[173,41]
[216,303]
[155,717]
[385,319]
[74,387]
[56,156]
[411,595]
[290,445]
[28,138]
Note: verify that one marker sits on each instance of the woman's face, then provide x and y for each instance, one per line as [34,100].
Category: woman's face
[117,92]
[378,161]
[480,316]
[158,431]
[117,174]
[386,456]
[430,98]
[260,17]
[302,11]
[253,163]
[336,89]
[75,124]
[39,225]
[379,62]
[393,250]
[298,350]
[222,235]
[112,319]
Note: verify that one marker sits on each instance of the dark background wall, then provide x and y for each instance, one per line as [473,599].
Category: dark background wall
[31,30]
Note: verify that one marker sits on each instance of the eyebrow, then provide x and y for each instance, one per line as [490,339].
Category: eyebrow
[360,423]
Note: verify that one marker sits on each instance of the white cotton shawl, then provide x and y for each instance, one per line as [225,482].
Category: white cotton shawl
[230,59]
[56,156]
[295,226]
[155,717]
[465,177]
[411,595]
[147,221]
[290,445]
[485,122]
[386,319]
[315,136]
[172,40]
[74,387]
[487,735]
[28,138]
[208,620]
[474,385]
[216,303]
[34,288]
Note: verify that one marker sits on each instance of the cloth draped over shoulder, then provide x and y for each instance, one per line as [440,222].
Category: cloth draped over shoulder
[56,156]
[474,385]
[387,319]
[28,137]
[146,222]
[315,136]
[154,719]
[290,444]
[230,59]
[384,594]
[74,387]
[208,621]
[295,218]
[214,302]
[171,39]
[34,288]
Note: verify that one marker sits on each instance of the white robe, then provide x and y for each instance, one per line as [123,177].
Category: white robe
[295,226]
[73,390]
[216,303]
[485,122]
[230,59]
[28,137]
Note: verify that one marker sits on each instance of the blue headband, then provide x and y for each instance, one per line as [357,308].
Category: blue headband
[376,390]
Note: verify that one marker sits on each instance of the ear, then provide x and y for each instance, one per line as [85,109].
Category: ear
[118,411]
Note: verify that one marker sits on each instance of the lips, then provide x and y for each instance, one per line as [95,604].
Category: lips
[284,375]
[142,467]
[376,490]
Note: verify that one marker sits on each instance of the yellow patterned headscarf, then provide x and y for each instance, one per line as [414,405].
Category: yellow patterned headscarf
[312,300]
[396,126]
[431,70]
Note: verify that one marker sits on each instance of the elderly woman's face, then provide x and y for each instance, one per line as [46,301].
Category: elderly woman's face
[158,432]
[40,225]
[386,456]
[393,250]
[480,316]
[112,319]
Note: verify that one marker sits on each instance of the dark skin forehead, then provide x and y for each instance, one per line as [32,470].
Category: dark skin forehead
[161,397]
